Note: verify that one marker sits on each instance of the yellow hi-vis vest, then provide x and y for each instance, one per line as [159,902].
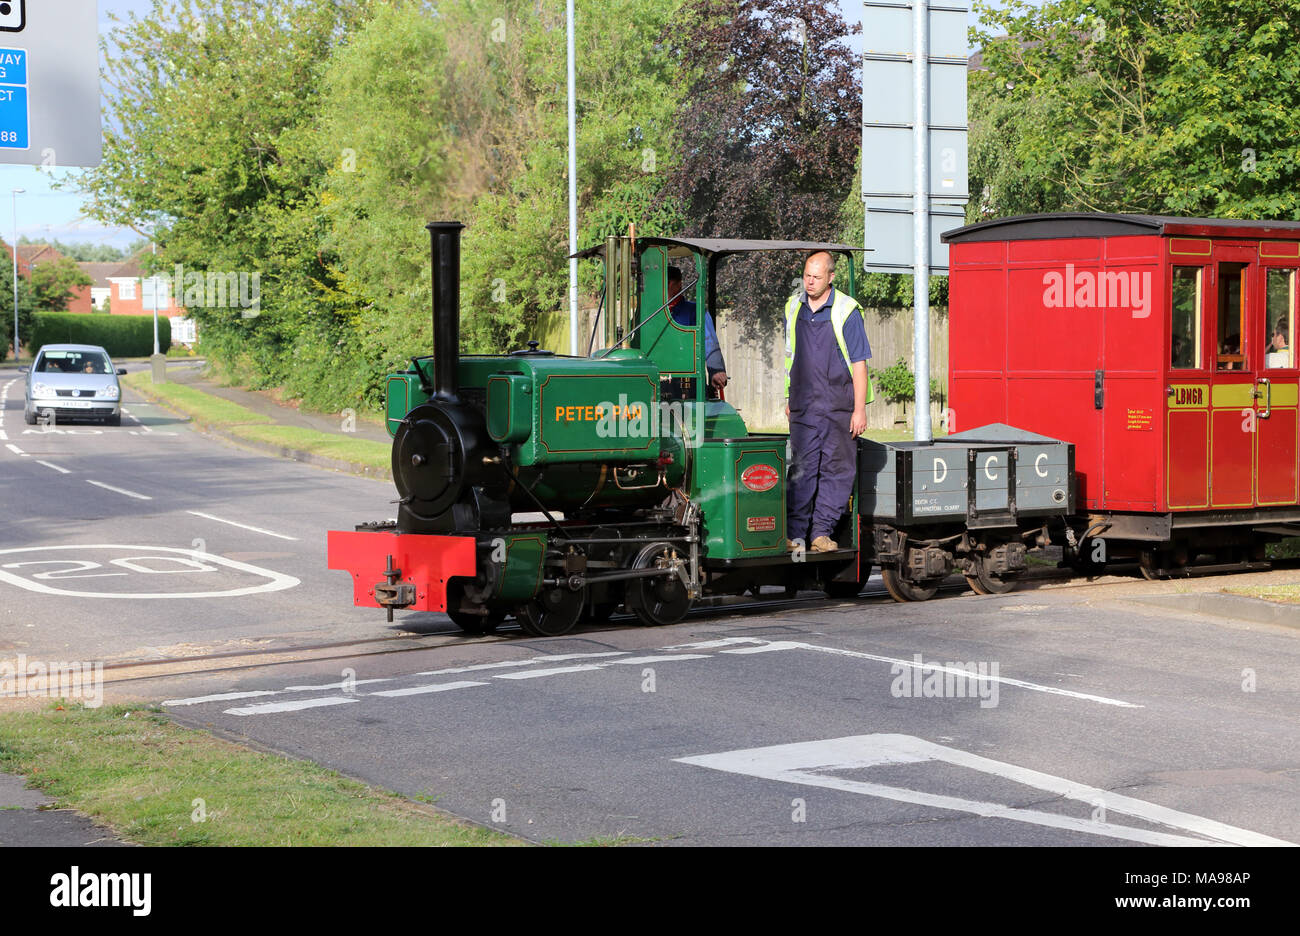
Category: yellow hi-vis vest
[841,309]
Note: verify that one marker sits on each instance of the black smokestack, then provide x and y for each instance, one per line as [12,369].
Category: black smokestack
[445,246]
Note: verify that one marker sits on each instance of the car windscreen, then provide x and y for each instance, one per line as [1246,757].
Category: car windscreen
[74,362]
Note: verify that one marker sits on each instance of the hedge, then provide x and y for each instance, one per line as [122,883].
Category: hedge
[119,335]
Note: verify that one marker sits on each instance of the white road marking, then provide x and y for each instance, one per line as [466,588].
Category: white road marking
[534,674]
[774,646]
[893,661]
[242,526]
[54,466]
[714,644]
[420,690]
[4,436]
[219,697]
[809,763]
[118,490]
[269,708]
[661,658]
[276,581]
[507,664]
[135,419]
[342,684]
[15,449]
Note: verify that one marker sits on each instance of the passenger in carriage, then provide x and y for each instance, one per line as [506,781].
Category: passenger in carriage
[1279,351]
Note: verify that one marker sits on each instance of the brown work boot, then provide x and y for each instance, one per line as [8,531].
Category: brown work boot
[824,544]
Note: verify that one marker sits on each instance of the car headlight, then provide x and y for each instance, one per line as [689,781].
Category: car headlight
[108,393]
[42,390]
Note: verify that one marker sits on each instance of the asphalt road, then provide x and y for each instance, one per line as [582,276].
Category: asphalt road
[228,545]
[1091,719]
[1098,723]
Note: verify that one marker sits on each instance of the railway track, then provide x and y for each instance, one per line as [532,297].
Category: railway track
[143,670]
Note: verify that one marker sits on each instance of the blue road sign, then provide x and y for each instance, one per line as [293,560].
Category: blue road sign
[14,123]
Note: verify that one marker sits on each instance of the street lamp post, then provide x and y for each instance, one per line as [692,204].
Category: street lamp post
[16,192]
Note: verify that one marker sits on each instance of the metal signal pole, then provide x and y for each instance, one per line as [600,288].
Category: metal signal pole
[921,218]
[573,199]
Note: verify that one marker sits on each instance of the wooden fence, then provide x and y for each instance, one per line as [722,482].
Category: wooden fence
[756,371]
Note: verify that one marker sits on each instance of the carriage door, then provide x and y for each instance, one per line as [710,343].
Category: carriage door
[1277,383]
[1232,392]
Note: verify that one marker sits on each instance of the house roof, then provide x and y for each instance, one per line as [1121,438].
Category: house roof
[128,268]
[99,272]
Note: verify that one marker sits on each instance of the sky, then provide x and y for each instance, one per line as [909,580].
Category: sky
[46,214]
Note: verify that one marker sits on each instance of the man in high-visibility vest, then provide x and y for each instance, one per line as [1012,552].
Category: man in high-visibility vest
[827,390]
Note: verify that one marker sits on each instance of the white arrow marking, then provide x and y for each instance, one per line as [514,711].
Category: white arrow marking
[809,763]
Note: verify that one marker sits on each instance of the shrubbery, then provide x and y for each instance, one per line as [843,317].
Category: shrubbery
[119,335]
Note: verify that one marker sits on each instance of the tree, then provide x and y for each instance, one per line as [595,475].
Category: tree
[55,284]
[1164,106]
[462,115]
[770,131]
[211,137]
[7,309]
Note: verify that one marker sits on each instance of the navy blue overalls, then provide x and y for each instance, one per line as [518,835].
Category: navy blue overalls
[821,409]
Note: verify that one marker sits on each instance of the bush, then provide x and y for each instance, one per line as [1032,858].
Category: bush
[897,383]
[119,335]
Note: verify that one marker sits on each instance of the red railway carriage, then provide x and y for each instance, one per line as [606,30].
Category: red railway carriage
[1163,348]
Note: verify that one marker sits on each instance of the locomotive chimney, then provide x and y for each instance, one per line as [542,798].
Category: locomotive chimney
[445,247]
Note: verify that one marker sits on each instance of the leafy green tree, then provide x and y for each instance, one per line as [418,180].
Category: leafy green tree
[1180,107]
[462,116]
[25,308]
[211,140]
[55,284]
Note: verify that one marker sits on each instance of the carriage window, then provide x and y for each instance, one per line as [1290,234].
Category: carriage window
[1279,319]
[1185,344]
[1232,316]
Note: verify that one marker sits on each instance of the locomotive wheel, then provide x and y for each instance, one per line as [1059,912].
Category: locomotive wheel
[467,621]
[984,582]
[656,601]
[903,590]
[552,613]
[1148,564]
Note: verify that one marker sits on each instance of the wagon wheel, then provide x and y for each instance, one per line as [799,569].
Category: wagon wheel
[468,621]
[903,590]
[1149,565]
[657,601]
[553,612]
[984,582]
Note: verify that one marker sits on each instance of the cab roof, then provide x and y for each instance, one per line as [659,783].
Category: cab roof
[719,246]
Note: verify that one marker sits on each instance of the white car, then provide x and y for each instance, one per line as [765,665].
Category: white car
[71,381]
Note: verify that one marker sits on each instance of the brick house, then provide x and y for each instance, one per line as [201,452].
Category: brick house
[31,256]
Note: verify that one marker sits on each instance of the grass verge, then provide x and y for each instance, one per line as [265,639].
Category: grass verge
[357,451]
[204,408]
[240,422]
[1284,594]
[135,770]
